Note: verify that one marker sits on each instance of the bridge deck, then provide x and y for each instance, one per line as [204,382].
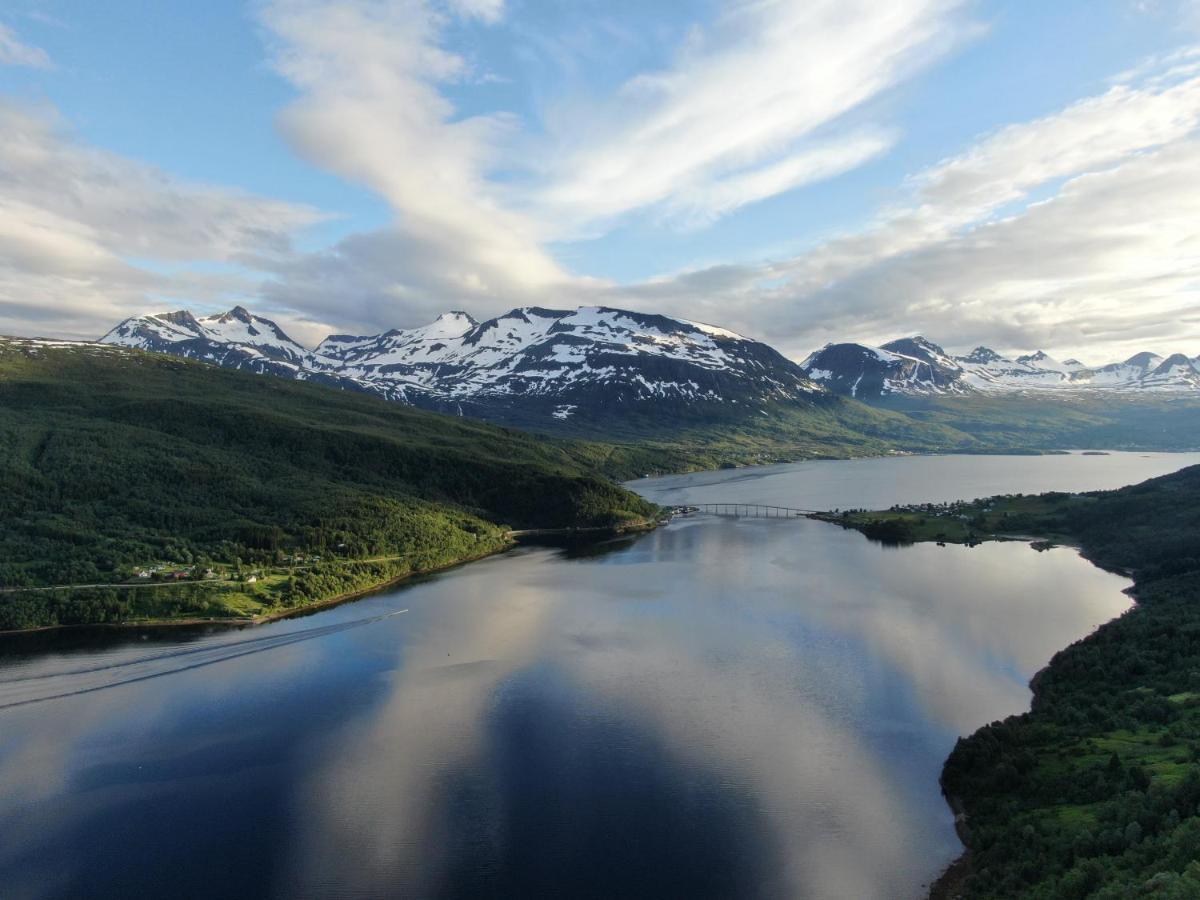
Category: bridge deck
[749,510]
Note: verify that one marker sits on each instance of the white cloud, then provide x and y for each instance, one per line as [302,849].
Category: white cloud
[705,203]
[370,110]
[772,95]
[1112,259]
[15,53]
[763,100]
[743,113]
[732,115]
[87,236]
[484,10]
[132,208]
[1114,246]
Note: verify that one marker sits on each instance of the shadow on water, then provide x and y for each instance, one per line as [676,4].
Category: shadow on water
[21,646]
[192,812]
[22,690]
[632,821]
[583,546]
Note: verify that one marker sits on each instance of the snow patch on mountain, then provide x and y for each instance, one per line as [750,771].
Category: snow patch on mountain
[589,356]
[576,361]
[917,366]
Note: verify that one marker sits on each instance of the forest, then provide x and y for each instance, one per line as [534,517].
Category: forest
[114,463]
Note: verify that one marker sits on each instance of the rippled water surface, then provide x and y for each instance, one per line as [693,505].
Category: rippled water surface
[719,708]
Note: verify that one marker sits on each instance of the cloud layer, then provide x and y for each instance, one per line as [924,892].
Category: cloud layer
[1109,257]
[1072,231]
[745,111]
[86,236]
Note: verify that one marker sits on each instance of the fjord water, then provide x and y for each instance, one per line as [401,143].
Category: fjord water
[721,708]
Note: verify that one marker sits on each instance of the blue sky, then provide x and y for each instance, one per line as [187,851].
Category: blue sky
[801,171]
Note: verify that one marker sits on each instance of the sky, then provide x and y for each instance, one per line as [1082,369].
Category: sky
[1021,174]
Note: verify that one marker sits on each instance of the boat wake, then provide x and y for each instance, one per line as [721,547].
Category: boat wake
[23,690]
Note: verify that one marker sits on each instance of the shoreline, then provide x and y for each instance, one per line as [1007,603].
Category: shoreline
[243,621]
[951,881]
[511,542]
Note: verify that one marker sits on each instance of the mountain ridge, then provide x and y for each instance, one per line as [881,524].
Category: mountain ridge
[557,360]
[534,354]
[917,366]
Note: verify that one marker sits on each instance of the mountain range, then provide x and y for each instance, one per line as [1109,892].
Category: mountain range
[550,364]
[916,366]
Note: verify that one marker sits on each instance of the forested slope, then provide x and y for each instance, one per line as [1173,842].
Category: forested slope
[1095,792]
[112,461]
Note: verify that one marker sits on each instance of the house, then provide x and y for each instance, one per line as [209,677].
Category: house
[252,579]
[143,574]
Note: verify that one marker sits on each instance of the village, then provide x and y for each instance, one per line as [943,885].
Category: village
[172,572]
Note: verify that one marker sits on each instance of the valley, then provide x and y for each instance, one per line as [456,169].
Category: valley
[735,450]
[706,684]
[122,459]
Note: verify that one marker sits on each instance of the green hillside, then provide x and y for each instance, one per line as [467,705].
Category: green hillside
[1147,421]
[679,435]
[708,434]
[115,462]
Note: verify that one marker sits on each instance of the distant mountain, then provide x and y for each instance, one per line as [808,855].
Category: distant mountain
[237,339]
[237,331]
[549,363]
[534,365]
[869,372]
[916,366]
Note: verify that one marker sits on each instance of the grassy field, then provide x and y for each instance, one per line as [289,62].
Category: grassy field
[273,592]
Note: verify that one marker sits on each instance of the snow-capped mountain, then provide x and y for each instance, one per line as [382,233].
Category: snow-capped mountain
[916,366]
[870,372]
[550,363]
[239,332]
[534,364]
[237,339]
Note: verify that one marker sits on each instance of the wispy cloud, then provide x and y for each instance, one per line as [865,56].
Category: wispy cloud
[1114,240]
[1072,229]
[747,109]
[703,204]
[13,52]
[370,109]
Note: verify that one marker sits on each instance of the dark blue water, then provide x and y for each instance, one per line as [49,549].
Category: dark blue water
[721,708]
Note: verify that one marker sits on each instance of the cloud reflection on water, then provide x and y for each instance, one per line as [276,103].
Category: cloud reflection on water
[770,699]
[784,658]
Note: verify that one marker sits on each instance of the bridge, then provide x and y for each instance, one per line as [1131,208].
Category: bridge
[746,510]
